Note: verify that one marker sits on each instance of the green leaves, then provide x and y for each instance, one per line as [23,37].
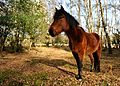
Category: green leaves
[24,19]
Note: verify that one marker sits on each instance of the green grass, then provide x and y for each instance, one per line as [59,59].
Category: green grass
[37,79]
[9,77]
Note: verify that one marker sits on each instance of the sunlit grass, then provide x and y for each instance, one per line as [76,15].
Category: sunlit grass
[9,77]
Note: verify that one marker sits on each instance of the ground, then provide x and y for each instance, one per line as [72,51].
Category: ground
[44,66]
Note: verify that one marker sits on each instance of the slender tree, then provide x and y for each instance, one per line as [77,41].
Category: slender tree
[98,17]
[105,29]
[79,11]
[88,14]
[90,17]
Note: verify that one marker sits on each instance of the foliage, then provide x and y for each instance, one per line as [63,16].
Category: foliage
[22,19]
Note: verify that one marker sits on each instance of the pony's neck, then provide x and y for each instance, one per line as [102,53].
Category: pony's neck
[75,34]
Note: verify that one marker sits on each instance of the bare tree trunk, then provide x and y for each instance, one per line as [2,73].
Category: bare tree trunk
[86,12]
[98,17]
[71,2]
[79,11]
[90,17]
[115,16]
[104,26]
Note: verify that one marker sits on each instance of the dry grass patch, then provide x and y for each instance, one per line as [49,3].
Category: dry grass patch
[43,66]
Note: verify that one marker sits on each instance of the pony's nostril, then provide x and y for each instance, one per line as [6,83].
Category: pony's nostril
[51,32]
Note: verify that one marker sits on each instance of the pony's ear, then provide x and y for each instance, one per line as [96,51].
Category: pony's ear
[56,9]
[62,7]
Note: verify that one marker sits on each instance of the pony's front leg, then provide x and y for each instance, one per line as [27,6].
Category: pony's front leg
[79,65]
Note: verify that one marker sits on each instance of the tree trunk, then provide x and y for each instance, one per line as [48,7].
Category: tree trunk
[90,17]
[87,14]
[88,11]
[79,11]
[104,26]
[98,19]
[71,6]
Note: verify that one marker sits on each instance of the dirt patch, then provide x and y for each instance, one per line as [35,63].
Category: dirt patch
[55,67]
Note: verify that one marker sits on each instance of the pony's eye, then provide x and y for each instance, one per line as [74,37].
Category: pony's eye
[61,19]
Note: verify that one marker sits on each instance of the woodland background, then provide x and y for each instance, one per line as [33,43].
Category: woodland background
[26,48]
[28,21]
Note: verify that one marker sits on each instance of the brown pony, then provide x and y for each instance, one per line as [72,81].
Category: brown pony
[80,42]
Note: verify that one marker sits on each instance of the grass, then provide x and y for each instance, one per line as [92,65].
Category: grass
[36,79]
[9,77]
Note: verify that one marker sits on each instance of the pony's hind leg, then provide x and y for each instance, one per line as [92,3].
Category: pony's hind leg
[92,60]
[96,56]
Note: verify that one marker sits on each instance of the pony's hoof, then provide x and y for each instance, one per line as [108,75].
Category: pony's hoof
[79,78]
[91,71]
[97,71]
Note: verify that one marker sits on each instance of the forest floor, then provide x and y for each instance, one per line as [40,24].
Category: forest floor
[44,66]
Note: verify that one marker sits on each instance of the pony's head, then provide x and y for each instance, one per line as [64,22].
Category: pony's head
[63,21]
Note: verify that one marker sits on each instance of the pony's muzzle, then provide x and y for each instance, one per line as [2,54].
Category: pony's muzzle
[52,32]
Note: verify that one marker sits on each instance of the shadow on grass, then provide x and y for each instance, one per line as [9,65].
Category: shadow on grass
[56,63]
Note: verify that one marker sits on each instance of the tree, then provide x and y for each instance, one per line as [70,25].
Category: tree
[88,15]
[23,19]
[4,24]
[98,17]
[79,11]
[104,26]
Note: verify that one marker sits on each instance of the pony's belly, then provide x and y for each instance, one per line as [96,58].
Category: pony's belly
[91,50]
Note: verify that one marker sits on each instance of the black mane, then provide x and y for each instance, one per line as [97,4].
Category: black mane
[70,19]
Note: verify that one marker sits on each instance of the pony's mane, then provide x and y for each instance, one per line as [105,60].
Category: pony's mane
[70,19]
